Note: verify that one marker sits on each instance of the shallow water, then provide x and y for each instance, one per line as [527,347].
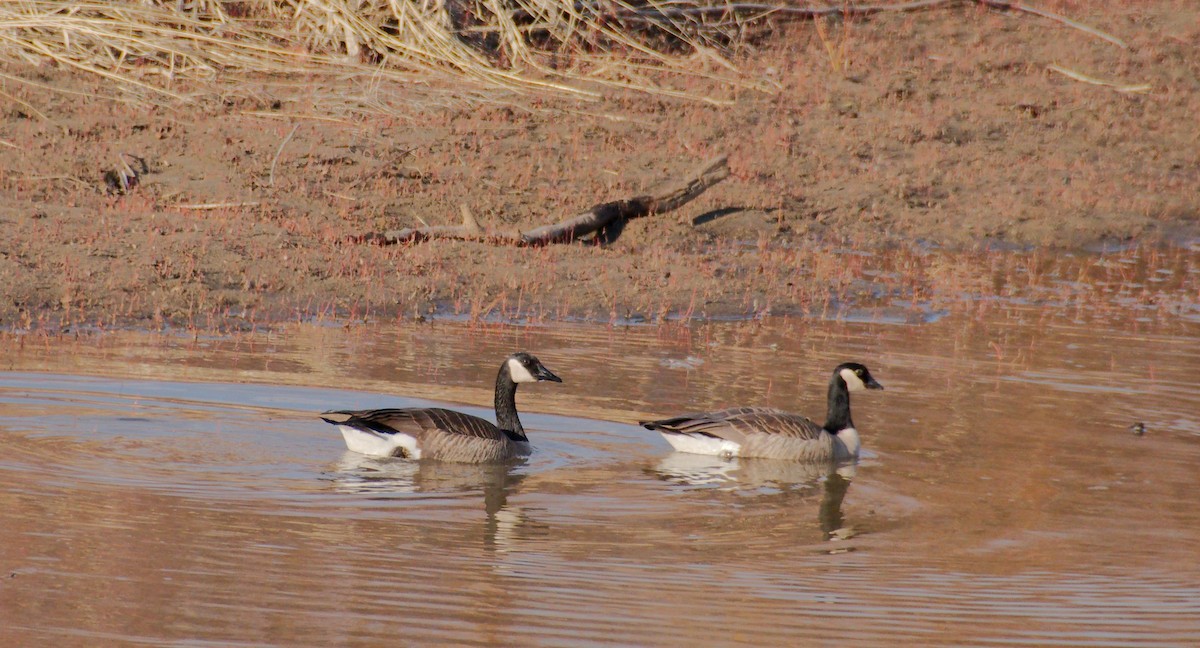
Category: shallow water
[177,490]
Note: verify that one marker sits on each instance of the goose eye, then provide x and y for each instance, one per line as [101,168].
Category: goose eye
[858,372]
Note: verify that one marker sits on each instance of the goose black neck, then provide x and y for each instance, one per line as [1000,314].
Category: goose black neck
[506,403]
[837,417]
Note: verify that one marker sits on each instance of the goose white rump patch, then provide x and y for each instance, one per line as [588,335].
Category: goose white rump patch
[379,445]
[704,445]
[519,373]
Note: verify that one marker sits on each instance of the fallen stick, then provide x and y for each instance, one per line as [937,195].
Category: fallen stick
[591,221]
[1050,15]
[1079,76]
[217,205]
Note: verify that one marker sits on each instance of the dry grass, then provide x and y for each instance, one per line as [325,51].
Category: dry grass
[154,47]
[243,219]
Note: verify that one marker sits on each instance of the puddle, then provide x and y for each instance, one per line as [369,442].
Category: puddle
[170,490]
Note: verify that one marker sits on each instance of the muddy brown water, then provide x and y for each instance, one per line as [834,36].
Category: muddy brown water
[174,490]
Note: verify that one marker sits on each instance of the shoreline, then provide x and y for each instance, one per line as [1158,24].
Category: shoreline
[942,147]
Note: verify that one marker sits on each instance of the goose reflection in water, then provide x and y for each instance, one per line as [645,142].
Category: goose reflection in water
[388,478]
[768,477]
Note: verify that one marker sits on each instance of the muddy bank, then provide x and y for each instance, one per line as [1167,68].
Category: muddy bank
[939,131]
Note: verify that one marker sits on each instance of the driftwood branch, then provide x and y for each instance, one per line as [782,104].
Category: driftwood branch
[600,217]
[748,9]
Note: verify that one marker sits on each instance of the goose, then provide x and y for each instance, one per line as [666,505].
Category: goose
[447,435]
[772,433]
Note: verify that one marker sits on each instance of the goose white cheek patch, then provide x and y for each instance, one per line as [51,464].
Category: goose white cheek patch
[518,372]
[853,382]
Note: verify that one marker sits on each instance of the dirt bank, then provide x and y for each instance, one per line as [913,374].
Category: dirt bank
[942,129]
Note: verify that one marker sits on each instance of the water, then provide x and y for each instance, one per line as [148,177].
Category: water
[167,490]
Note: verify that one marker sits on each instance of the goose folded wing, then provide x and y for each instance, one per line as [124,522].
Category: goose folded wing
[762,420]
[710,424]
[415,421]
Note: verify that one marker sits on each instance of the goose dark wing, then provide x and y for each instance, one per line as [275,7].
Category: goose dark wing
[735,423]
[772,421]
[415,421]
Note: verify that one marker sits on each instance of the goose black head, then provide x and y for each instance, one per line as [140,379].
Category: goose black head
[524,368]
[856,376]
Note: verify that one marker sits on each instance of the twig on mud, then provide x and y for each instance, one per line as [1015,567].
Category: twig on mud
[592,221]
[334,194]
[294,116]
[275,161]
[1050,15]
[221,205]
[1079,76]
[40,115]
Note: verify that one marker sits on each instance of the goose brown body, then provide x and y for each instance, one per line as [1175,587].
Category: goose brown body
[438,433]
[759,432]
[772,433]
[443,434]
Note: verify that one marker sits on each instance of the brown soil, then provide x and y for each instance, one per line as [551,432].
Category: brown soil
[943,129]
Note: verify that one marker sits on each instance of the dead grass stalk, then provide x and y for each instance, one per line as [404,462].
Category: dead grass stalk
[150,46]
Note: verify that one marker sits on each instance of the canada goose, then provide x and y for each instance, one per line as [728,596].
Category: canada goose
[436,433]
[772,433]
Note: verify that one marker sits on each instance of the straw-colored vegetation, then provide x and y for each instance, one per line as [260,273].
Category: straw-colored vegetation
[565,46]
[561,45]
